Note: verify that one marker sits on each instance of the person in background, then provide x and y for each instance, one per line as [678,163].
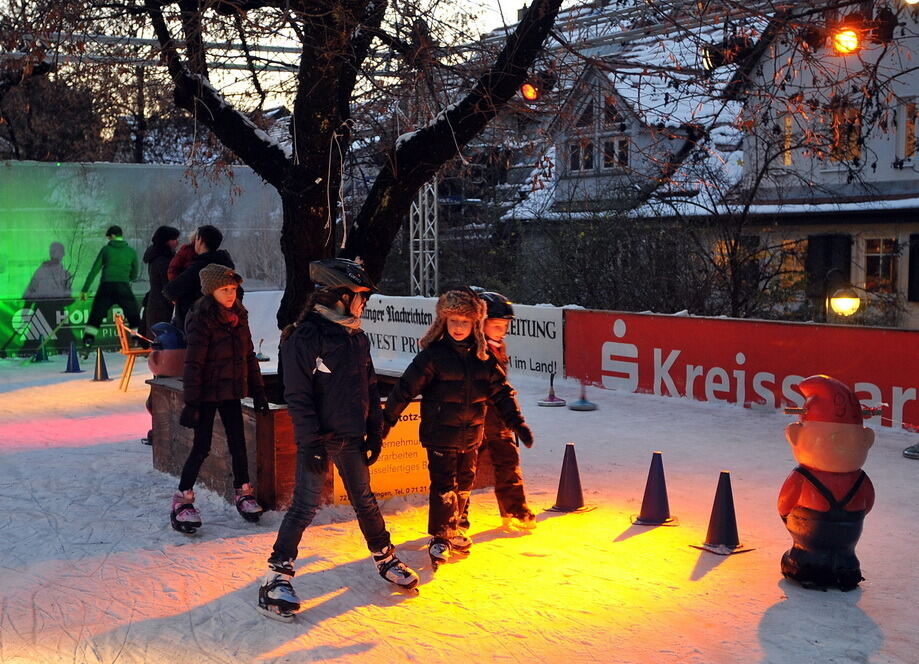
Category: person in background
[331,392]
[182,258]
[456,377]
[159,254]
[498,439]
[220,369]
[119,266]
[185,289]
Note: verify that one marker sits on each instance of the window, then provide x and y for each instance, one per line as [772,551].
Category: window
[881,265]
[787,138]
[586,118]
[910,127]
[611,114]
[581,156]
[616,152]
[846,136]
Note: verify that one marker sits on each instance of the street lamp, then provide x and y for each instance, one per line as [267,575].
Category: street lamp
[841,297]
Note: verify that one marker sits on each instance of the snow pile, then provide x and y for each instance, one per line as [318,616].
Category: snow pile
[93,572]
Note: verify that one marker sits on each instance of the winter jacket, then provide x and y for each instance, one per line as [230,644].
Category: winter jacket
[220,359]
[329,382]
[185,289]
[455,388]
[157,308]
[494,426]
[182,259]
[118,263]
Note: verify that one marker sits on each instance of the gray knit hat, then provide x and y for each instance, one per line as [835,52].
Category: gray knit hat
[216,276]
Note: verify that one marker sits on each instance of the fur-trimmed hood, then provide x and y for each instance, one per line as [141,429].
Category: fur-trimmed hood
[459,303]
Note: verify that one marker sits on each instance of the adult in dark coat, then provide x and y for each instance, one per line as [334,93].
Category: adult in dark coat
[185,289]
[158,309]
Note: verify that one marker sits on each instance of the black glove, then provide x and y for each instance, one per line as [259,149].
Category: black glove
[373,444]
[387,427]
[261,405]
[316,459]
[525,435]
[189,416]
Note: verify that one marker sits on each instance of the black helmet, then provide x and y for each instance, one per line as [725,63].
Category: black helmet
[335,272]
[497,306]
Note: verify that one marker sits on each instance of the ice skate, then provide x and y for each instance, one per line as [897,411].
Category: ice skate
[276,597]
[246,505]
[526,521]
[460,543]
[439,551]
[185,518]
[394,570]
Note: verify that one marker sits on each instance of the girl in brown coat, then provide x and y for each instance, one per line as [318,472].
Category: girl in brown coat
[220,369]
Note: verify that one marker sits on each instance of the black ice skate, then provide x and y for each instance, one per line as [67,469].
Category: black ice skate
[184,517]
[246,505]
[439,551]
[394,570]
[276,597]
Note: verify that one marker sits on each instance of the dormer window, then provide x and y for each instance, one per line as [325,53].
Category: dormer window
[580,156]
[586,119]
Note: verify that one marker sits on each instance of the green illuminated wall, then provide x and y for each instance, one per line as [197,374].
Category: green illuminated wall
[73,204]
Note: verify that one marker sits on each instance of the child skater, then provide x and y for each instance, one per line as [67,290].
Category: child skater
[456,377]
[499,440]
[331,392]
[220,369]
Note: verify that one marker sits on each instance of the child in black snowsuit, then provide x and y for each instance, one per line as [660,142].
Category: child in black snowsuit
[456,377]
[499,440]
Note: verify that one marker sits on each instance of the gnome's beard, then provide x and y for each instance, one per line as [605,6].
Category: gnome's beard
[830,446]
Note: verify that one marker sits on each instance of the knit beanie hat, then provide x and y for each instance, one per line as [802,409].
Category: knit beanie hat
[459,303]
[216,276]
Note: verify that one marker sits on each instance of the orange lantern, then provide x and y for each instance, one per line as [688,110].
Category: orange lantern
[529,91]
[846,40]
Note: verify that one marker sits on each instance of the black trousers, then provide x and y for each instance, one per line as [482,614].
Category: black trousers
[231,414]
[452,475]
[109,294]
[505,457]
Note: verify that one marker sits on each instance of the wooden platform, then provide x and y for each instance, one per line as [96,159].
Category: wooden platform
[270,446]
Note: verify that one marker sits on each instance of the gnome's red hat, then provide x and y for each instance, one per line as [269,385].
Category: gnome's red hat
[828,400]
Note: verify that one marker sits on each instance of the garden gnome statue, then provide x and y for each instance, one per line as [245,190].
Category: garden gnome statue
[824,501]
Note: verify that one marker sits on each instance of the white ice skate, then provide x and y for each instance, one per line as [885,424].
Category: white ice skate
[460,543]
[276,597]
[394,570]
[524,522]
[246,505]
[439,551]
[184,517]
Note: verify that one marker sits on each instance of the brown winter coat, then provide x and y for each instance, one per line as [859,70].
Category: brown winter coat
[220,359]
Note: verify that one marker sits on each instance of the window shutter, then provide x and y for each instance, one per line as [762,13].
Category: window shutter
[824,253]
[913,285]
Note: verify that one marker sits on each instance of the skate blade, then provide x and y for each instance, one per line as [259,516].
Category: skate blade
[185,530]
[252,518]
[275,614]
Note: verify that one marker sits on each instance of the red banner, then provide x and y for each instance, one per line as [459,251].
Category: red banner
[743,361]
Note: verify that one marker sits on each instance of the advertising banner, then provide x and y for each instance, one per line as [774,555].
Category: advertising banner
[395,324]
[53,323]
[743,361]
[402,468]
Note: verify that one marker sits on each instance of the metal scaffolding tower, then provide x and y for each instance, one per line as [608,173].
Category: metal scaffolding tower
[423,241]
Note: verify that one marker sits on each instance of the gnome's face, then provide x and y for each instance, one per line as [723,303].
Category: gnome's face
[830,446]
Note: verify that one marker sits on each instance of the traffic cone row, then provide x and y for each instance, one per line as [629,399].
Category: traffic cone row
[721,538]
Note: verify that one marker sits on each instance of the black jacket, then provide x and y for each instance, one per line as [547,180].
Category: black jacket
[157,308]
[185,289]
[455,388]
[329,382]
[495,427]
[220,360]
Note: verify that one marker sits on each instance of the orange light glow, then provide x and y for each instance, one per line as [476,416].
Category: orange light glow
[529,91]
[846,41]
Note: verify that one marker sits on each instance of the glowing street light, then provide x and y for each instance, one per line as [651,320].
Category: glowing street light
[846,40]
[845,302]
[529,91]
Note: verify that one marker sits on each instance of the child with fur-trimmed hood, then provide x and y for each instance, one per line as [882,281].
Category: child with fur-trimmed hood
[456,378]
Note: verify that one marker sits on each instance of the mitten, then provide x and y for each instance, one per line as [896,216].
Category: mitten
[373,445]
[189,416]
[261,405]
[525,435]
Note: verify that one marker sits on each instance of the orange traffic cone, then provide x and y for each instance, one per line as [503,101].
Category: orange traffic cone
[722,535]
[570,498]
[655,508]
[101,372]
